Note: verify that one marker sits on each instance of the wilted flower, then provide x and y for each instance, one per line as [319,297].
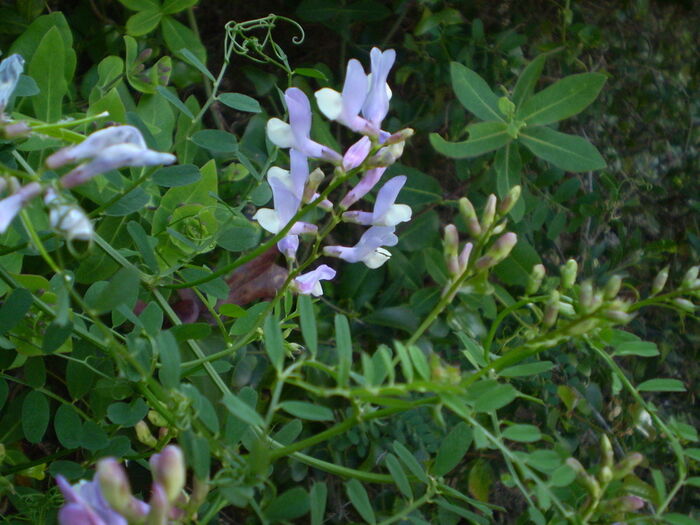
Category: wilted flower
[10,70]
[110,148]
[11,206]
[296,134]
[386,212]
[310,282]
[369,248]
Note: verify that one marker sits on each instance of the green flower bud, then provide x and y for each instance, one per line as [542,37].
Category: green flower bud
[314,181]
[114,485]
[451,240]
[535,280]
[612,287]
[586,295]
[466,209]
[684,304]
[551,310]
[568,274]
[159,506]
[659,281]
[144,435]
[690,277]
[509,200]
[489,213]
[506,107]
[605,475]
[606,451]
[627,465]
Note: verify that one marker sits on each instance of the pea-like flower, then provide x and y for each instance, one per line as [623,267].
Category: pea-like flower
[296,133]
[386,212]
[376,105]
[310,282]
[11,206]
[368,181]
[85,505]
[356,154]
[110,148]
[10,70]
[68,219]
[369,248]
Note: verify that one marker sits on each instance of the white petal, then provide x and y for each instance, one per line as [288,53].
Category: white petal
[396,214]
[280,133]
[330,102]
[377,258]
[268,220]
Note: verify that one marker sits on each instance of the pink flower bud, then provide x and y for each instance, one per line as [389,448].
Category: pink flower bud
[114,484]
[168,470]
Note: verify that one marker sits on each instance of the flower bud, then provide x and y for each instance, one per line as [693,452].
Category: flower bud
[356,154]
[144,435]
[509,200]
[400,136]
[659,281]
[312,183]
[617,316]
[114,485]
[502,247]
[627,465]
[535,280]
[605,475]
[606,451]
[466,209]
[451,240]
[168,469]
[622,504]
[15,130]
[684,304]
[159,506]
[463,260]
[568,274]
[612,287]
[586,295]
[690,277]
[551,310]
[489,212]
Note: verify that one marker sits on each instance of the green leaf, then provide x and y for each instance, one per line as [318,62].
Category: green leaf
[408,459]
[305,410]
[172,98]
[127,414]
[494,397]
[180,175]
[14,308]
[342,13]
[528,369]
[404,361]
[216,140]
[143,245]
[480,479]
[563,99]
[47,67]
[527,80]
[122,288]
[143,22]
[291,504]
[474,93]
[127,204]
[483,137]
[197,453]
[420,362]
[240,102]
[169,355]
[343,348]
[640,348]
[675,518]
[661,385]
[360,500]
[452,449]
[242,410]
[55,335]
[522,433]
[317,499]
[568,152]
[244,324]
[175,6]
[274,342]
[94,438]
[398,474]
[307,320]
[311,73]
[140,5]
[178,36]
[35,416]
[191,59]
[68,426]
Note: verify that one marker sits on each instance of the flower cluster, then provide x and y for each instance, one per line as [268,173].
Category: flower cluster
[361,106]
[107,149]
[108,500]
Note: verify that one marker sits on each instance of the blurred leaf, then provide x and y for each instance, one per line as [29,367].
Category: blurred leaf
[172,98]
[522,433]
[143,22]
[68,426]
[528,369]
[324,11]
[14,308]
[408,459]
[242,410]
[292,504]
[343,349]
[639,348]
[175,6]
[309,411]
[398,474]
[47,67]
[274,342]
[178,36]
[661,385]
[307,321]
[317,499]
[360,500]
[127,414]
[35,416]
[452,449]
[480,480]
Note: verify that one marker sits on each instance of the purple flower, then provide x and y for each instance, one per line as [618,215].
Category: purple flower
[310,282]
[168,468]
[368,181]
[345,108]
[369,248]
[85,505]
[356,154]
[376,106]
[386,212]
[10,70]
[95,143]
[11,206]
[297,133]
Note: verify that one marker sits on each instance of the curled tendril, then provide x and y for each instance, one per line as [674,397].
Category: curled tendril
[240,40]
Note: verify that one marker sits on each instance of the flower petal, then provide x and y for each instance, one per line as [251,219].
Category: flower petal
[330,103]
[280,133]
[386,198]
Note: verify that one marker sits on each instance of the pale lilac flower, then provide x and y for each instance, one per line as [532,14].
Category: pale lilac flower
[376,105]
[368,181]
[85,505]
[11,206]
[356,154]
[296,134]
[369,248]
[310,282]
[68,219]
[345,108]
[10,70]
[386,212]
[95,143]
